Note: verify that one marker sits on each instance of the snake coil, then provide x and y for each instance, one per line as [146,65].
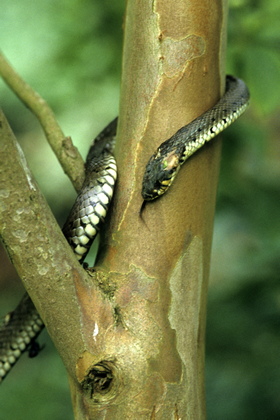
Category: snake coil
[20,328]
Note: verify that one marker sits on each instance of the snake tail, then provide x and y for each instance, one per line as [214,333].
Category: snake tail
[18,330]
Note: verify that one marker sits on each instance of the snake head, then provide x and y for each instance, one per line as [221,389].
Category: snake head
[159,174]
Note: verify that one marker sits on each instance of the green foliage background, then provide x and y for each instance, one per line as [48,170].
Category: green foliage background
[70,51]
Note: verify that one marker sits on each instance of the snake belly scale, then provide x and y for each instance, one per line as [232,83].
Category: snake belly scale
[91,205]
[20,328]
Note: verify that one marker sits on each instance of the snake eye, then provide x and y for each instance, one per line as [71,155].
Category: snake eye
[159,174]
[156,182]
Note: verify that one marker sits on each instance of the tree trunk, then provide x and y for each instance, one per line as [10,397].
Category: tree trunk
[158,265]
[132,335]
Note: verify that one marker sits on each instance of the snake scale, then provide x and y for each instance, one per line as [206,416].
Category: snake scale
[20,328]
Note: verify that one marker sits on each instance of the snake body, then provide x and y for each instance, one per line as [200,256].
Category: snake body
[91,205]
[21,327]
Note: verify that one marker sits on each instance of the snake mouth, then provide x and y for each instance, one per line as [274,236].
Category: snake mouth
[157,190]
[160,173]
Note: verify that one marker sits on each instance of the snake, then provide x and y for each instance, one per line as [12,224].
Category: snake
[20,328]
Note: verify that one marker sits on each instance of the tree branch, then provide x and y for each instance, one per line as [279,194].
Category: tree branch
[67,154]
[44,261]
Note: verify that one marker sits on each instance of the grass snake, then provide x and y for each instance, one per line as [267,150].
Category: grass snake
[20,328]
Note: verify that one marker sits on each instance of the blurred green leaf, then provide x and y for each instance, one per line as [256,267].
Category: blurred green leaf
[262,70]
